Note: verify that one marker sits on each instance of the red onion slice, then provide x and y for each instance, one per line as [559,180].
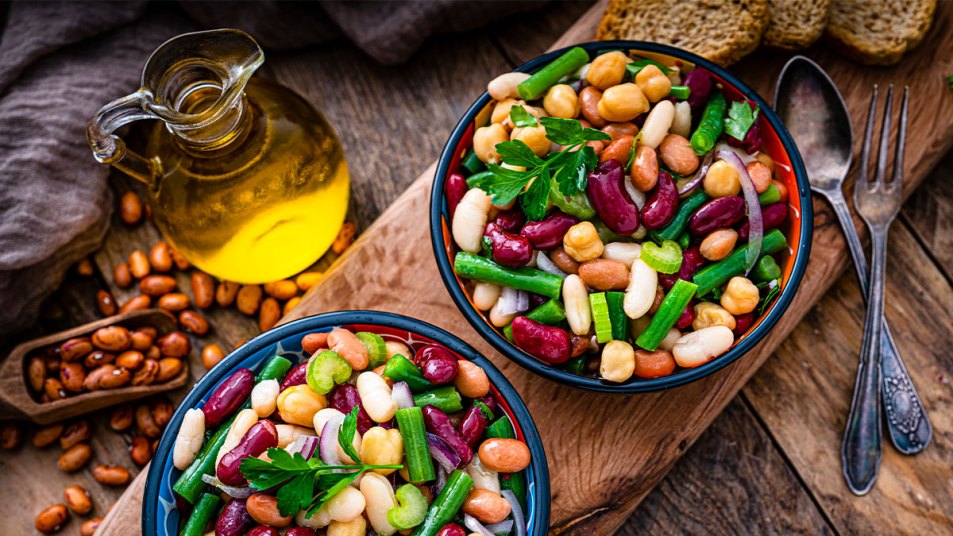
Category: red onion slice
[699,175]
[305,446]
[328,448]
[517,512]
[441,481]
[232,491]
[503,527]
[474,525]
[442,453]
[512,302]
[755,222]
[402,395]
[545,264]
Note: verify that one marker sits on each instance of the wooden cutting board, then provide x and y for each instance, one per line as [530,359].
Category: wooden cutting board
[606,452]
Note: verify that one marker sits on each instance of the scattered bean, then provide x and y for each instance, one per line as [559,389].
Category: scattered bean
[111,475]
[51,519]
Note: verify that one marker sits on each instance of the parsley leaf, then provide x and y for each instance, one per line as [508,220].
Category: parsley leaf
[504,184]
[517,153]
[521,118]
[569,132]
[282,467]
[296,495]
[572,176]
[346,435]
[634,67]
[534,200]
[740,118]
[772,293]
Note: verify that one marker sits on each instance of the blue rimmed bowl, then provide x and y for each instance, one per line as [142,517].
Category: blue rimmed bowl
[160,511]
[798,229]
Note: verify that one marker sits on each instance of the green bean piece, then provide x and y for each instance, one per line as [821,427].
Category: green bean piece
[769,196]
[577,205]
[620,322]
[680,92]
[684,240]
[515,482]
[608,235]
[532,280]
[446,399]
[376,348]
[711,126]
[473,179]
[549,313]
[501,428]
[201,515]
[410,422]
[274,369]
[576,365]
[472,163]
[679,223]
[446,505]
[766,269]
[716,275]
[401,369]
[667,315]
[535,86]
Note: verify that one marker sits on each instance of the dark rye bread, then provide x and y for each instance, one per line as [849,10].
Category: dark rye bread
[723,31]
[879,32]
[795,24]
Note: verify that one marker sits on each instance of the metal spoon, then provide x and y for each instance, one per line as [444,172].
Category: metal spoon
[815,114]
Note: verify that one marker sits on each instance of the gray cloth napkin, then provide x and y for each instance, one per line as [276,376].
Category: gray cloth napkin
[61,61]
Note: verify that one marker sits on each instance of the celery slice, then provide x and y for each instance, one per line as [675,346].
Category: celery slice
[665,259]
[600,316]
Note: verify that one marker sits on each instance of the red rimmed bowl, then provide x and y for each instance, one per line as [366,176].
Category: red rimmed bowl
[798,229]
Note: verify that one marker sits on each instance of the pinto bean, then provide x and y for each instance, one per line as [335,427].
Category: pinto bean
[51,519]
[75,349]
[111,475]
[603,274]
[77,499]
[75,458]
[75,434]
[112,339]
[157,285]
[174,344]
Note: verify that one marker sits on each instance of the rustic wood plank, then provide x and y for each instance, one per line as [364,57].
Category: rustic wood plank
[523,37]
[929,213]
[803,395]
[733,477]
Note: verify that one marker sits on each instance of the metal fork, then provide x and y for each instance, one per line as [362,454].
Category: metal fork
[878,202]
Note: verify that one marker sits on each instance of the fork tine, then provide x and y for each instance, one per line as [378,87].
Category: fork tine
[884,148]
[868,136]
[897,178]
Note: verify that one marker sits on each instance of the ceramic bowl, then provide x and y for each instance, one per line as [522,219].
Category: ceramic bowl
[798,229]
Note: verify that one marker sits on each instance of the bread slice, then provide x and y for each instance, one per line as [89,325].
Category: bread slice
[723,31]
[795,24]
[879,32]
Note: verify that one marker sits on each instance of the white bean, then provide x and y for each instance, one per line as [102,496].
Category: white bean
[657,124]
[323,416]
[469,220]
[637,196]
[576,301]
[624,252]
[699,347]
[682,122]
[354,527]
[640,294]
[670,339]
[244,420]
[376,397]
[485,295]
[188,442]
[264,398]
[504,86]
[640,233]
[379,496]
[482,477]
[346,505]
[319,520]
[397,348]
[289,433]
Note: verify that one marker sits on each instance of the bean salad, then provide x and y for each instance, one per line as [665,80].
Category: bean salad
[365,435]
[617,216]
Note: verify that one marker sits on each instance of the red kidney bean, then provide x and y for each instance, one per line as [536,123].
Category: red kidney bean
[716,214]
[439,425]
[608,196]
[688,316]
[228,397]
[510,220]
[298,375]
[742,323]
[233,519]
[262,530]
[549,343]
[535,300]
[490,402]
[473,425]
[548,233]
[508,249]
[451,529]
[260,437]
[300,531]
[661,204]
[699,84]
[772,216]
[455,187]
[692,261]
[345,398]
[437,364]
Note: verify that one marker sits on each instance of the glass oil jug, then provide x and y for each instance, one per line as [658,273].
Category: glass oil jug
[245,178]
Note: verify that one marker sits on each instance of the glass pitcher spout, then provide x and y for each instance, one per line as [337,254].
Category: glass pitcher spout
[194,83]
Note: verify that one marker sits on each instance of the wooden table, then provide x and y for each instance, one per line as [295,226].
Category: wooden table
[768,464]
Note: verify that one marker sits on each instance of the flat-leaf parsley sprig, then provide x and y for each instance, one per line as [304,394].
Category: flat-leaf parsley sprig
[307,484]
[569,167]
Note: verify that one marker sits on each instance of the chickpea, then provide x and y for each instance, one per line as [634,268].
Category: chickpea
[501,112]
[721,180]
[741,296]
[618,361]
[718,244]
[534,137]
[708,314]
[653,83]
[561,101]
[644,168]
[298,404]
[766,159]
[382,447]
[354,527]
[678,155]
[623,102]
[582,242]
[607,70]
[760,176]
[485,140]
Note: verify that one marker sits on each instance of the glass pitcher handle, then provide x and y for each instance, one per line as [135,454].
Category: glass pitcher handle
[111,149]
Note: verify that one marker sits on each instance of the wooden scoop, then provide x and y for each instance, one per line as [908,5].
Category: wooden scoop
[17,402]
